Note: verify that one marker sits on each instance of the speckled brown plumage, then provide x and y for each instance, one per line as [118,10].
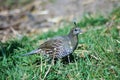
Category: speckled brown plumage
[59,47]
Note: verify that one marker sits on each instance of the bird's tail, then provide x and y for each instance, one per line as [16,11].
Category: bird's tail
[32,52]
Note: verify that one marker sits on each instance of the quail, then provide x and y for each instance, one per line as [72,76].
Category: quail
[61,46]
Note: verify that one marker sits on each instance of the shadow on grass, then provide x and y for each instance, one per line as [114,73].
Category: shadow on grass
[7,49]
[64,60]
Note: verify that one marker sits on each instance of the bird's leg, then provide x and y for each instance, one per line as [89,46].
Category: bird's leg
[68,58]
[53,58]
[52,63]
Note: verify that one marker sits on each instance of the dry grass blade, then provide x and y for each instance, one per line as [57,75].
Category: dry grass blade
[52,63]
[96,58]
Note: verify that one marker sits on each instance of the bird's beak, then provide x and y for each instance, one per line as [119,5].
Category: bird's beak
[80,31]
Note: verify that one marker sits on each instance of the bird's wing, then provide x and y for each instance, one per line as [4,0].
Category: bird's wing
[56,47]
[51,45]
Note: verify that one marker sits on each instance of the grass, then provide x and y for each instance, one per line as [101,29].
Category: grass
[97,56]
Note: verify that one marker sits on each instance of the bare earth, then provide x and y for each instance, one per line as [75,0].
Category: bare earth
[48,14]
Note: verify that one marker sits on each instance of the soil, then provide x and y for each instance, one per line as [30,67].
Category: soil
[49,14]
[79,7]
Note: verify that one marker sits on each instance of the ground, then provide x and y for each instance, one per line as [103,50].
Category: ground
[43,15]
[96,57]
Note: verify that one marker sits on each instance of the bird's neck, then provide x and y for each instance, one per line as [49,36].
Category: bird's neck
[74,40]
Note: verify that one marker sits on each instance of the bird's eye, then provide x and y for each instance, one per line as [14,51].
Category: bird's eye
[75,29]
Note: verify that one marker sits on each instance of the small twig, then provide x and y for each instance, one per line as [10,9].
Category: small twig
[110,23]
[11,24]
[19,36]
[52,63]
[94,57]
[47,72]
[5,35]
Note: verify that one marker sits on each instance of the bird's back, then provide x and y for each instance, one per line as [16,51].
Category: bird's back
[58,47]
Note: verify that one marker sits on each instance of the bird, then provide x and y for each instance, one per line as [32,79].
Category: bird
[59,46]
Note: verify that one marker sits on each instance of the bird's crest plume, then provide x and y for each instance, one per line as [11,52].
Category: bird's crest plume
[75,24]
[74,21]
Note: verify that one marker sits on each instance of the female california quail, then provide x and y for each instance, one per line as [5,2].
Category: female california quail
[61,46]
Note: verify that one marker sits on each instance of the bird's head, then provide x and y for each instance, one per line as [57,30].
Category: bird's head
[76,30]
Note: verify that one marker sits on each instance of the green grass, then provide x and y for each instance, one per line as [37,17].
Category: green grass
[99,40]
